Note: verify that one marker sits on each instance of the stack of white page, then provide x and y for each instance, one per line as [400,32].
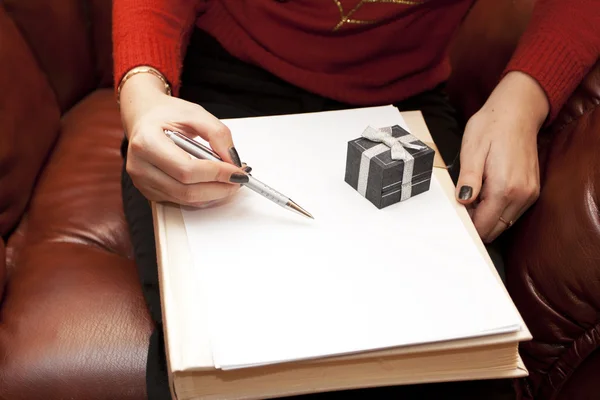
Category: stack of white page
[279,287]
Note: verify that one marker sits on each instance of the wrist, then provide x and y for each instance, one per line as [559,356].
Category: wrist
[521,95]
[137,95]
[145,78]
[138,86]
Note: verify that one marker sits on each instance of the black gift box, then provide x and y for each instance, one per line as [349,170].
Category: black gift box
[371,170]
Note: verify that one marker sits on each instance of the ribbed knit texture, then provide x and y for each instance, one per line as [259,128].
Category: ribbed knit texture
[561,44]
[153,33]
[327,66]
[362,64]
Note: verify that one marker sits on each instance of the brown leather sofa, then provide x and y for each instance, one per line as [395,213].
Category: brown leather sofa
[73,324]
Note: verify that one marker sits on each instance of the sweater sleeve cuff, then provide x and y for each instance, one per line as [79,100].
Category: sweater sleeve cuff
[552,62]
[157,54]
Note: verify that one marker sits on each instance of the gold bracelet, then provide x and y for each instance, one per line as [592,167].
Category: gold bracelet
[139,70]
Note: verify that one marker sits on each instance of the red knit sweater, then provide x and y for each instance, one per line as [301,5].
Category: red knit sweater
[363,52]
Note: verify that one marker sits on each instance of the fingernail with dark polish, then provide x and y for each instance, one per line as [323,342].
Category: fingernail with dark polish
[239,178]
[465,193]
[235,156]
[248,169]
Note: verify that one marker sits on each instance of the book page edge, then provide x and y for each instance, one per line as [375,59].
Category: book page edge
[169,319]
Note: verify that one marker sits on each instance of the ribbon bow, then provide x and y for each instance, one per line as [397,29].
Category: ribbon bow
[398,145]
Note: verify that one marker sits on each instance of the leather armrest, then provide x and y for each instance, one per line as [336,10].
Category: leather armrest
[29,121]
[2,268]
[553,257]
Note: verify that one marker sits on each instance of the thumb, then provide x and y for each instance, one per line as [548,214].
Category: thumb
[472,162]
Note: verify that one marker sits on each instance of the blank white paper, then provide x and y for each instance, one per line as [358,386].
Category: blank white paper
[282,287]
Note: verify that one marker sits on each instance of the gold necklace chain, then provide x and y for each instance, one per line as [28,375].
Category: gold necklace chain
[346,18]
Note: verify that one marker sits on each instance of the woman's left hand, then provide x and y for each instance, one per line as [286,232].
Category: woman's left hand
[499,171]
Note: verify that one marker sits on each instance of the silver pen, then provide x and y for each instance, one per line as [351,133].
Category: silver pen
[200,151]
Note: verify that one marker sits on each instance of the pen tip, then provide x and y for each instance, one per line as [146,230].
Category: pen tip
[295,207]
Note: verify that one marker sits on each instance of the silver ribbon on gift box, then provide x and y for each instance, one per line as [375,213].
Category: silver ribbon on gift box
[398,146]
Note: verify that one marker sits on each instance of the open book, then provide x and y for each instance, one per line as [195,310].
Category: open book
[260,303]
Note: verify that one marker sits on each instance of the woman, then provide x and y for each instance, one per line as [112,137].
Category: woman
[185,64]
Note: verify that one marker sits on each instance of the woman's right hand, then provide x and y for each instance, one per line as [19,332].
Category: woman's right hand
[160,169]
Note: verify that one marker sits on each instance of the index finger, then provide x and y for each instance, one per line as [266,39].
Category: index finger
[215,132]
